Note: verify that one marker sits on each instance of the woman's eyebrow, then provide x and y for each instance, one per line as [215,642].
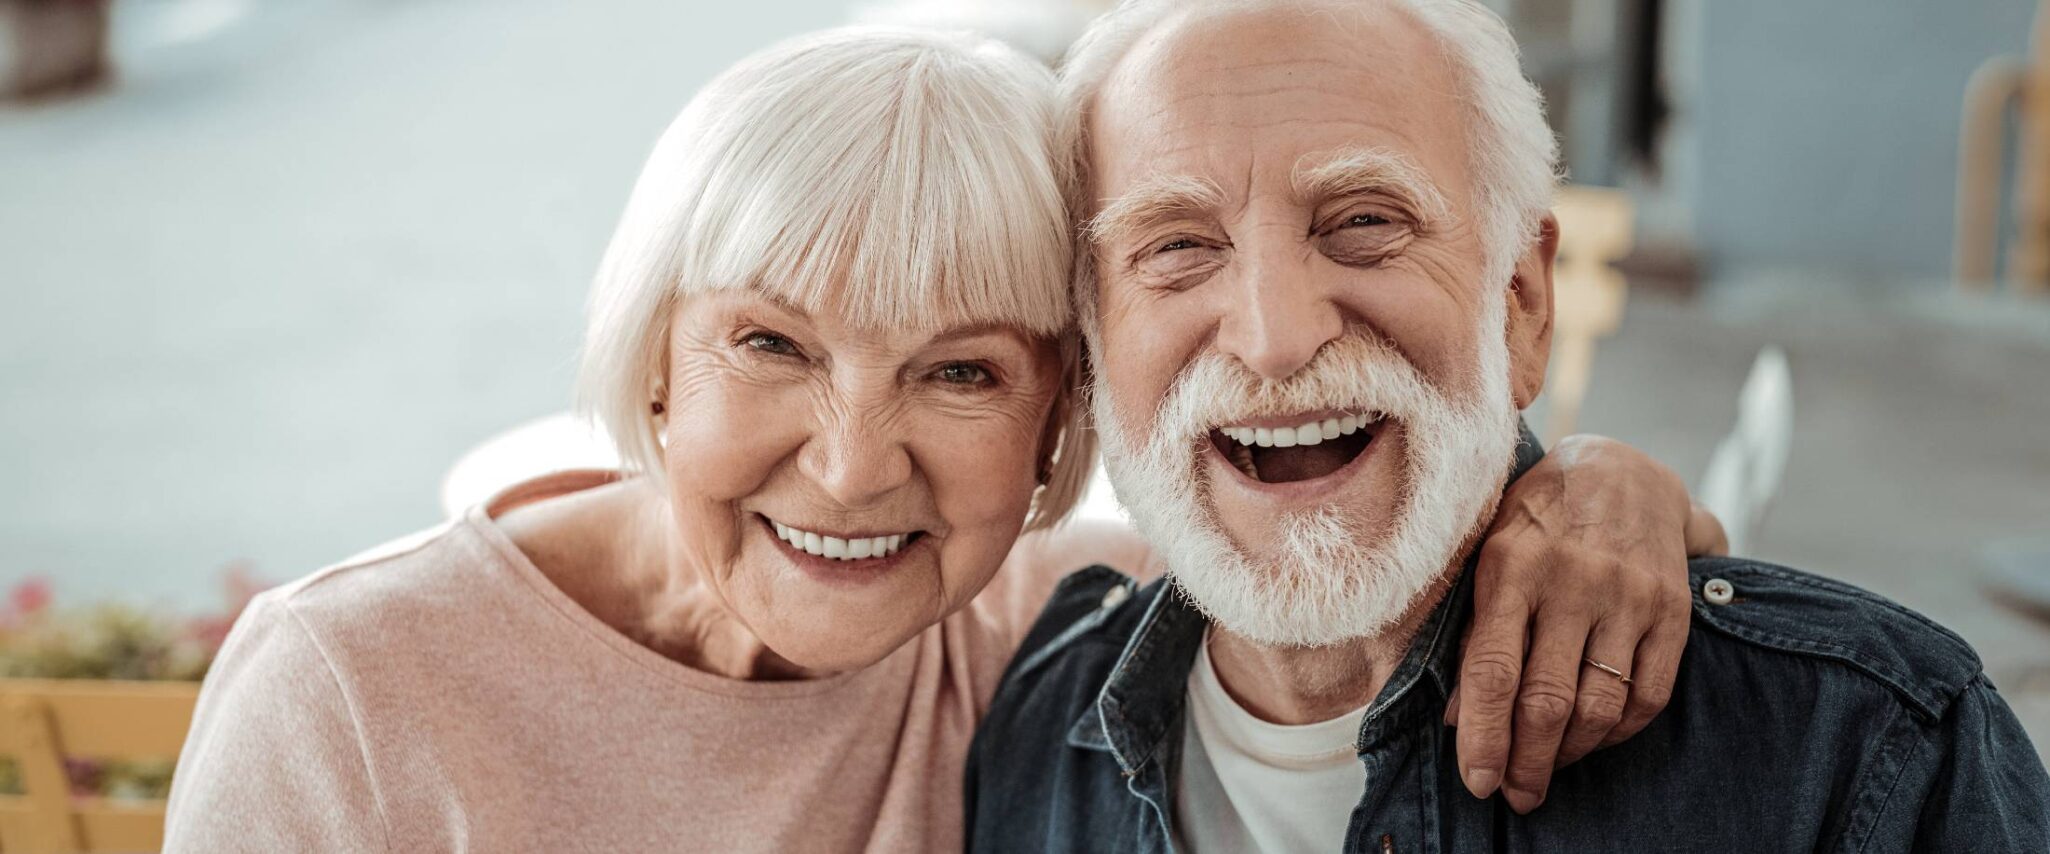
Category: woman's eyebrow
[977,330]
[1372,172]
[1157,197]
[777,299]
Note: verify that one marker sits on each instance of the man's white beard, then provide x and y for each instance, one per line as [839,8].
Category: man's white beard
[1330,581]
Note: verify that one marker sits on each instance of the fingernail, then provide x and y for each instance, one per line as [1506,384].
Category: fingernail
[1482,781]
[1522,801]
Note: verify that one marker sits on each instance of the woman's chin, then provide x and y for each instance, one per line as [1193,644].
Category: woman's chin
[816,650]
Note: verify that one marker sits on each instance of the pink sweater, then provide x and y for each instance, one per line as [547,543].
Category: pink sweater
[443,695]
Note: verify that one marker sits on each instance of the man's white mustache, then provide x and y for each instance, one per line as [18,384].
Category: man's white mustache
[1356,372]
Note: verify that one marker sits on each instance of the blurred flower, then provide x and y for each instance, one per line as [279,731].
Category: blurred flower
[239,585]
[84,775]
[111,641]
[28,598]
[114,641]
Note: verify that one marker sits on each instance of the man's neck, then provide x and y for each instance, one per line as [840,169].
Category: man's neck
[1304,685]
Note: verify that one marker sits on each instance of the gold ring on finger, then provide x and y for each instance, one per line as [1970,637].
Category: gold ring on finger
[1607,669]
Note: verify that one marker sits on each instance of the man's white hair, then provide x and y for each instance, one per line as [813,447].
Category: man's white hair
[1515,156]
[894,177]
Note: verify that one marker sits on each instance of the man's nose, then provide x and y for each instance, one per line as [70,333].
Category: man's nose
[857,459]
[1280,319]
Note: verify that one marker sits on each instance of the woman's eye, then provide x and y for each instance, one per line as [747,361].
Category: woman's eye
[963,373]
[1365,220]
[770,342]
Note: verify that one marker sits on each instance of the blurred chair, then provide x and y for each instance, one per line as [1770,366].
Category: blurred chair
[552,443]
[50,47]
[1595,231]
[49,721]
[2001,82]
[1744,473]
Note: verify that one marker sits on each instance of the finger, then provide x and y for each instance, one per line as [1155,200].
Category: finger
[1705,534]
[1544,705]
[1602,698]
[1657,668]
[1452,699]
[1489,673]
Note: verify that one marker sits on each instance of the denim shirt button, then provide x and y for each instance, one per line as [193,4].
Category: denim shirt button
[1718,591]
[1115,596]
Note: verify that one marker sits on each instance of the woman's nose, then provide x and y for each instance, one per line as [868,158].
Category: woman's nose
[1279,319]
[856,461]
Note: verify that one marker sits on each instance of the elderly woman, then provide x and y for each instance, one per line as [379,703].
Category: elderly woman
[832,338]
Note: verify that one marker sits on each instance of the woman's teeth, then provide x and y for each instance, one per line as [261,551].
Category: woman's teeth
[835,548]
[1312,433]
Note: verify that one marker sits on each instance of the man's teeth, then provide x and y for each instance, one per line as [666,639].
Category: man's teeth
[1307,434]
[836,548]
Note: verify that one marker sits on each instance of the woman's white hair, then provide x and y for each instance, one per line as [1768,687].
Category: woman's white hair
[893,177]
[1515,156]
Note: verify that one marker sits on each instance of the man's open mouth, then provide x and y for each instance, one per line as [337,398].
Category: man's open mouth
[1305,451]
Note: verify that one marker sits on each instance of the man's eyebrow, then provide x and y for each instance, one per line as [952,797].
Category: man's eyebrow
[1157,197]
[1372,172]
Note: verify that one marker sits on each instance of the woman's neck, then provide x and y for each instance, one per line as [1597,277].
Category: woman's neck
[613,550]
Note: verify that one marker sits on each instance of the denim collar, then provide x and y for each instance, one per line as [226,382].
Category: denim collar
[1136,716]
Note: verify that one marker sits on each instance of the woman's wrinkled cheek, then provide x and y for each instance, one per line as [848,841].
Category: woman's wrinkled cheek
[726,432]
[985,491]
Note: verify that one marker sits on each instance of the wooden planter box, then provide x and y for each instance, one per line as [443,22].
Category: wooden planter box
[43,721]
[52,46]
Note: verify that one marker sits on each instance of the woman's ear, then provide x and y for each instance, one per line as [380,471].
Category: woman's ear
[658,413]
[1050,437]
[1530,314]
[1067,446]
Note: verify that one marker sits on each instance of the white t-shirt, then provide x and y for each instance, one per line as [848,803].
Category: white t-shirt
[1249,785]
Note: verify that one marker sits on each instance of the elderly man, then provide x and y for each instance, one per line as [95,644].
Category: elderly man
[1320,292]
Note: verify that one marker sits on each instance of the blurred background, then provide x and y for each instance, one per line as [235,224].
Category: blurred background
[269,270]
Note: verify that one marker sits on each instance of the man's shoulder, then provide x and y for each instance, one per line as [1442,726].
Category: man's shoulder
[1071,649]
[1792,615]
[1042,749]
[1092,614]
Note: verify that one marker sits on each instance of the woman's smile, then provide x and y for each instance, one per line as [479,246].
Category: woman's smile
[841,557]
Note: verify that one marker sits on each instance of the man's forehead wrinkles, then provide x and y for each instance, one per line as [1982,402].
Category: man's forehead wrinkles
[1244,88]
[1282,63]
[1186,147]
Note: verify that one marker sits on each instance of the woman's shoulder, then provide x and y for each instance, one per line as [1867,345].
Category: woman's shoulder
[426,580]
[391,582]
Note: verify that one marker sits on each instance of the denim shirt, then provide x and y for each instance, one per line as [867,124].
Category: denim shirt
[1808,715]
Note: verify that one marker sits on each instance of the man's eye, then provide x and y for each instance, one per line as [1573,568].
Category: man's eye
[1177,245]
[963,373]
[1365,220]
[770,342]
